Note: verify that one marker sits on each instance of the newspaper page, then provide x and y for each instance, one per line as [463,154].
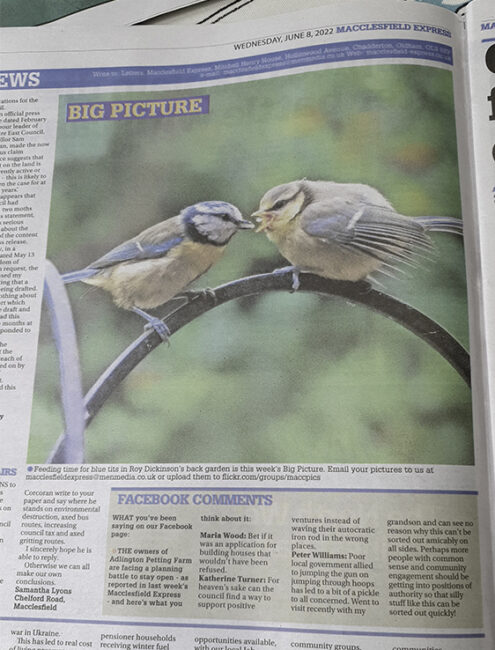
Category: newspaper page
[481,102]
[285,457]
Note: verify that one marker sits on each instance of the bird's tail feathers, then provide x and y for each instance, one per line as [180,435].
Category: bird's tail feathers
[442,224]
[78,276]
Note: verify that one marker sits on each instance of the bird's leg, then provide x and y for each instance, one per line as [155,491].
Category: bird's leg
[192,294]
[153,322]
[295,275]
[295,279]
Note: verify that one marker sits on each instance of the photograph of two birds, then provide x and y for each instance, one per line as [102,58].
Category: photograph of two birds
[350,174]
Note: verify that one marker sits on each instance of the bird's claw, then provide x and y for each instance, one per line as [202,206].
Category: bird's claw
[153,322]
[296,283]
[160,328]
[295,276]
[205,294]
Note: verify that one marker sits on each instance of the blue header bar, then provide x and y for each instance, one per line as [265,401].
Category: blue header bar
[361,50]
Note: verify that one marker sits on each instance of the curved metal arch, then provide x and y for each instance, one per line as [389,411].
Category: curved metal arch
[357,292]
[71,391]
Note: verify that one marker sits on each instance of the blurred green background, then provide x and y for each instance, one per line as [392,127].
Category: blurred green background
[282,377]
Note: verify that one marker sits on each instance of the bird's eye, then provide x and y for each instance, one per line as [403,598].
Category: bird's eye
[279,204]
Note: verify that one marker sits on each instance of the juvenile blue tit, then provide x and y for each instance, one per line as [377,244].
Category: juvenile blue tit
[156,265]
[343,231]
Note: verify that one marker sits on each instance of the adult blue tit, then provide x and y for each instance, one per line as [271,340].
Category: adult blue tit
[159,263]
[343,231]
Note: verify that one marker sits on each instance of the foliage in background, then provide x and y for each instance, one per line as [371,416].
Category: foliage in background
[284,377]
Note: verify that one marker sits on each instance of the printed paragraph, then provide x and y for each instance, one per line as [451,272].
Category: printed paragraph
[427,566]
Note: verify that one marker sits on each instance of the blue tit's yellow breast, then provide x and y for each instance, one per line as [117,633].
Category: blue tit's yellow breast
[150,283]
[196,257]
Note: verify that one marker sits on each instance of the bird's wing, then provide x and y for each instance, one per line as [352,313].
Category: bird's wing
[369,229]
[156,241]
